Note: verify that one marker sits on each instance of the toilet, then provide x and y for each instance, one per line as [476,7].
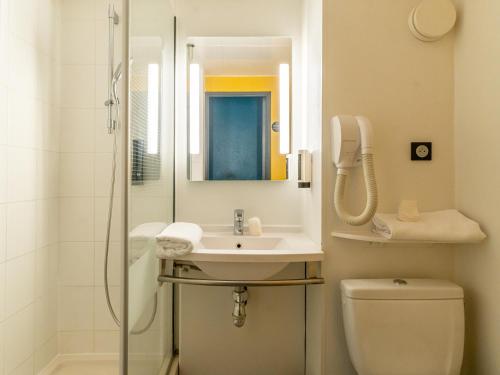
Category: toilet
[404,326]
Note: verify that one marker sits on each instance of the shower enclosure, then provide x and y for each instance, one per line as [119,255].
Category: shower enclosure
[147,309]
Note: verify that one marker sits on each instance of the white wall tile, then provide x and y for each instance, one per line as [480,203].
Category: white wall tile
[76,175]
[103,140]
[78,9]
[114,263]
[48,26]
[25,10]
[101,84]
[46,266]
[21,174]
[77,130]
[76,219]
[100,219]
[3,102]
[2,343]
[102,180]
[3,174]
[47,216]
[45,320]
[102,316]
[107,341]
[21,124]
[76,264]
[43,79]
[22,67]
[26,368]
[47,169]
[2,292]
[19,283]
[49,124]
[45,353]
[78,86]
[78,41]
[3,232]
[19,334]
[4,37]
[76,306]
[29,135]
[21,228]
[83,207]
[76,342]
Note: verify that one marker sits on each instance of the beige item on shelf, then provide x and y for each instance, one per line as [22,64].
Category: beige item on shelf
[408,210]
[254,226]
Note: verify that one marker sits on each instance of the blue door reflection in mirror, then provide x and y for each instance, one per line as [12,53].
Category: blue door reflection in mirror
[237,145]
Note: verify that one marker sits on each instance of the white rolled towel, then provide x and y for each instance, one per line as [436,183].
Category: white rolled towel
[146,231]
[439,226]
[178,239]
[142,238]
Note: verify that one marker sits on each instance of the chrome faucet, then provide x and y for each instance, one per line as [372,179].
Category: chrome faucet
[239,219]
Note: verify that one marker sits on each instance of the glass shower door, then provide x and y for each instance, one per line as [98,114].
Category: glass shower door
[149,336]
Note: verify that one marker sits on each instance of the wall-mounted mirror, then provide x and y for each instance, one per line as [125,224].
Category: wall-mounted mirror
[239,107]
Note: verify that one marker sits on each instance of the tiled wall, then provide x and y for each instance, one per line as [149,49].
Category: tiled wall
[85,324]
[29,160]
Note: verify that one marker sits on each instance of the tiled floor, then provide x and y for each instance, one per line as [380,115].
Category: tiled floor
[87,368]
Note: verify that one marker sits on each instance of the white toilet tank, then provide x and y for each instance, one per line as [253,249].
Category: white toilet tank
[404,327]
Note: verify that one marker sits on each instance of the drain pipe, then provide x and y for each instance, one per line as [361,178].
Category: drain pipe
[240,298]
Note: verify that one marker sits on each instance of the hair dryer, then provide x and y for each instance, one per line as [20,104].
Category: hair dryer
[352,140]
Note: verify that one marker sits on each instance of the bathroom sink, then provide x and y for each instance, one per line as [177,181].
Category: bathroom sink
[229,257]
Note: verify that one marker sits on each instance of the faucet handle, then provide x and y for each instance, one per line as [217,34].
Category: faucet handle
[239,213]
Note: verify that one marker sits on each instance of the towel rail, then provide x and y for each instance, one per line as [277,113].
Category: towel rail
[236,283]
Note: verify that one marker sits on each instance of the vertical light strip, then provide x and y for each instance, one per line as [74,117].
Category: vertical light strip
[284,109]
[153,107]
[194,109]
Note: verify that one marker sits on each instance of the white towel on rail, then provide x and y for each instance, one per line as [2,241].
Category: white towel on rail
[438,226]
[177,239]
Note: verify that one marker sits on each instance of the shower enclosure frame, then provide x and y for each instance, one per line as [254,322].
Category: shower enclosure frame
[124,132]
[125,142]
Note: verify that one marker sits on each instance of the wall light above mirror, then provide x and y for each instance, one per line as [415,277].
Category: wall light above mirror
[239,107]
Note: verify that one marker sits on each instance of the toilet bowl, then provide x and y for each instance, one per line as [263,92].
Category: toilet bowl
[404,326]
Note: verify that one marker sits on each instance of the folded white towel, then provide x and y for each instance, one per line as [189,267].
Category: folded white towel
[438,226]
[146,231]
[177,239]
[143,237]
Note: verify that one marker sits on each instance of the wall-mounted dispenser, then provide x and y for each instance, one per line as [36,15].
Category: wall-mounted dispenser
[352,145]
[304,172]
[431,20]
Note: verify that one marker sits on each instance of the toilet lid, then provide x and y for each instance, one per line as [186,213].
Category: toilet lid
[401,289]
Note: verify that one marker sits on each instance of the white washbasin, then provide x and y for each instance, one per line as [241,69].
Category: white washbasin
[228,257]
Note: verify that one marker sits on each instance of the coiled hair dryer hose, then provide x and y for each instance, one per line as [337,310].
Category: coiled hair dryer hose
[352,138]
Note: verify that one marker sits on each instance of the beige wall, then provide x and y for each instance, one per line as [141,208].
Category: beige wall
[373,66]
[477,130]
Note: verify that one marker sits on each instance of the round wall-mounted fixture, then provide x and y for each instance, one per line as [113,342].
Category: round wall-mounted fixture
[431,20]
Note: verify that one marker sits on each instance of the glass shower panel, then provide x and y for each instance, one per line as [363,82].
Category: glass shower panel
[151,182]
